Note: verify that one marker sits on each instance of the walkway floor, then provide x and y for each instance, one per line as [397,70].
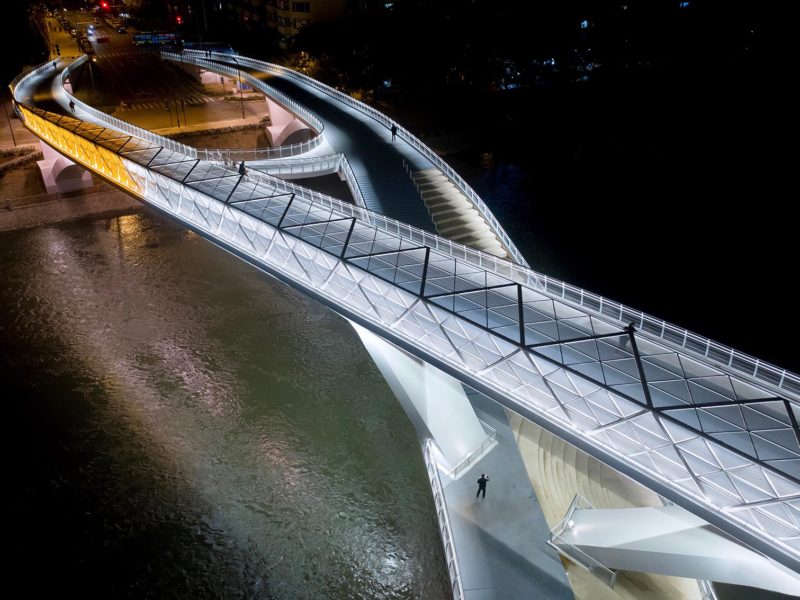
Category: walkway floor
[376,161]
[501,539]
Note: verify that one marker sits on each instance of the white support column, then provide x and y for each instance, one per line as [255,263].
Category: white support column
[434,401]
[671,541]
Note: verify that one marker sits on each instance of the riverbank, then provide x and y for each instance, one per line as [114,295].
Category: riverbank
[24,203]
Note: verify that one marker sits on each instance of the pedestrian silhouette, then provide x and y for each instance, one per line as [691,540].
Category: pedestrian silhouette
[242,170]
[72,105]
[394,131]
[54,65]
[482,485]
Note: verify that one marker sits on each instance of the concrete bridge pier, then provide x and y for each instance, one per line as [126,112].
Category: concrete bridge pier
[285,127]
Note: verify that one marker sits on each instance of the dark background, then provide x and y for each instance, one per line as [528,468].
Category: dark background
[651,163]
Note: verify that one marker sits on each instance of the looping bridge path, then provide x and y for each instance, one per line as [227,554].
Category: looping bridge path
[689,419]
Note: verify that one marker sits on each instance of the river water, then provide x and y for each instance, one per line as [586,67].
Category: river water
[182,426]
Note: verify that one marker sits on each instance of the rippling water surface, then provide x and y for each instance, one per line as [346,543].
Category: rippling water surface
[182,426]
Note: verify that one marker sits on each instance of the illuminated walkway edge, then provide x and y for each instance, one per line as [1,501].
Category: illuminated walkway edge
[635,399]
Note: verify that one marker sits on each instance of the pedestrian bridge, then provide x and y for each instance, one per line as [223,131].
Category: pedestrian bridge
[709,428]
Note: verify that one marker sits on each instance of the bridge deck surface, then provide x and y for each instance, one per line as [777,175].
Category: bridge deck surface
[377,162]
[500,539]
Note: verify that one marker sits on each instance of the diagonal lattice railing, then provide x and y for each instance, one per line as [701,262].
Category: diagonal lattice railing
[686,341]
[718,443]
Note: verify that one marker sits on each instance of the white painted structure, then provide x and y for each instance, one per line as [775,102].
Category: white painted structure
[671,541]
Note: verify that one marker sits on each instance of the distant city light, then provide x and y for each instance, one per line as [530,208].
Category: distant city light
[683,4]
[585,24]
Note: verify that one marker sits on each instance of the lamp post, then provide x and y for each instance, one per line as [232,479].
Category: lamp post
[239,71]
[91,73]
[10,127]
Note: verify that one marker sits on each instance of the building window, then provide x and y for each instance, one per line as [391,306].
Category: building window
[301,6]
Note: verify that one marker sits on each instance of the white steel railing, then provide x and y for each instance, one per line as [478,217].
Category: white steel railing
[489,442]
[673,336]
[313,165]
[316,125]
[445,529]
[37,70]
[308,165]
[572,552]
[119,124]
[404,134]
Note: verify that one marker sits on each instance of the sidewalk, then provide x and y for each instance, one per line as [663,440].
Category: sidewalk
[17,134]
[501,539]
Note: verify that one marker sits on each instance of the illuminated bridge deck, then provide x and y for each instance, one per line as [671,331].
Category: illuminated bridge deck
[677,415]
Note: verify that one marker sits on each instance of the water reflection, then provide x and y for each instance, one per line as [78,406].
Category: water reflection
[216,433]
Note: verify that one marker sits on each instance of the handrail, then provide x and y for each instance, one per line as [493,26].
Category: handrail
[292,106]
[352,182]
[572,552]
[445,529]
[302,164]
[119,124]
[48,64]
[673,336]
[725,357]
[42,125]
[489,442]
[404,134]
[315,164]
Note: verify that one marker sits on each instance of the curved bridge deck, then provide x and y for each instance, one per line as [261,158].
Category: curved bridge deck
[722,444]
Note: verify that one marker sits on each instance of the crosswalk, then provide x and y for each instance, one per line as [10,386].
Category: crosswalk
[122,53]
[191,101]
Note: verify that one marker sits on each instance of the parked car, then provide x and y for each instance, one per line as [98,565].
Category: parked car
[121,29]
[102,38]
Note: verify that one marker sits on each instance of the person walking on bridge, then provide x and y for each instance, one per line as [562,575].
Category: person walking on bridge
[482,485]
[394,131]
[72,105]
[242,170]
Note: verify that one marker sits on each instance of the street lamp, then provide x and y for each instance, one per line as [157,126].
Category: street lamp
[91,73]
[239,70]
[169,110]
[10,127]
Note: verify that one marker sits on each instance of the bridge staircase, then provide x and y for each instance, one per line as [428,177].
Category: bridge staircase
[453,214]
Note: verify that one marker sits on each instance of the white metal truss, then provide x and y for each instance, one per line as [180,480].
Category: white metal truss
[719,443]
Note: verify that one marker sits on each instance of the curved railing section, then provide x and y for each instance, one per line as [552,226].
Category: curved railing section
[676,337]
[37,70]
[672,335]
[119,124]
[404,134]
[313,165]
[259,153]
[445,529]
[342,262]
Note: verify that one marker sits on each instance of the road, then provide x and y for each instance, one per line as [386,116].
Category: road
[124,72]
